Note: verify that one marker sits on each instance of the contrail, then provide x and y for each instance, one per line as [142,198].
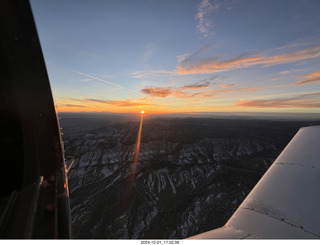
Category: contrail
[96,78]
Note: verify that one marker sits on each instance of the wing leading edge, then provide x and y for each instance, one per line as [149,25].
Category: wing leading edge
[285,202]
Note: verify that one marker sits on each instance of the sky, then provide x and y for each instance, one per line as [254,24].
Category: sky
[182,56]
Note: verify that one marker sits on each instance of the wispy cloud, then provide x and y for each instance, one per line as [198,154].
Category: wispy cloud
[226,85]
[121,103]
[313,77]
[98,79]
[197,85]
[213,78]
[177,91]
[205,23]
[132,91]
[72,105]
[292,71]
[307,100]
[197,90]
[298,43]
[213,65]
[204,16]
[186,58]
[222,85]
[157,92]
[151,48]
[182,57]
[86,80]
[309,53]
[152,73]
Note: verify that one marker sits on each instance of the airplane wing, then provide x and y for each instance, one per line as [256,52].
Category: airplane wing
[285,202]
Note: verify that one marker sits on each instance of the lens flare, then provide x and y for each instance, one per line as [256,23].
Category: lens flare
[127,199]
[136,155]
[137,150]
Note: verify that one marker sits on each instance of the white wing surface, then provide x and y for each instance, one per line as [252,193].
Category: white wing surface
[286,201]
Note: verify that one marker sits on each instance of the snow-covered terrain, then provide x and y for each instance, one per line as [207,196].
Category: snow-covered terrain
[191,175]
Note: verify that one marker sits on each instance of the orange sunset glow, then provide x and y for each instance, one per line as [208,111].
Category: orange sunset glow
[169,111]
[210,56]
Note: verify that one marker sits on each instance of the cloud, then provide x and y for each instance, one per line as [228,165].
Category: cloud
[309,100]
[205,9]
[196,90]
[227,85]
[178,92]
[121,103]
[157,92]
[72,105]
[197,85]
[212,78]
[292,71]
[98,79]
[132,91]
[222,85]
[213,65]
[310,78]
[185,95]
[303,54]
[152,73]
[151,48]
[182,57]
[186,58]
[298,43]
[183,60]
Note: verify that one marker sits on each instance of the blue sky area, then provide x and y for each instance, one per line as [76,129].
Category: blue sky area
[188,56]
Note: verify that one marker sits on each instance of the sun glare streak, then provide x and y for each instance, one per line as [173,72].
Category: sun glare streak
[136,154]
[123,204]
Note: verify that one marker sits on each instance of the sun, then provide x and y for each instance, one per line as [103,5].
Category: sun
[142,112]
